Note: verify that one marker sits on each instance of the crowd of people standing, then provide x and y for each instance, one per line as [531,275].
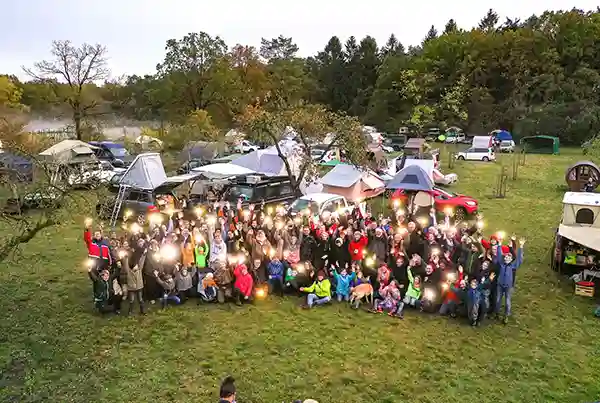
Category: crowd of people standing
[232,254]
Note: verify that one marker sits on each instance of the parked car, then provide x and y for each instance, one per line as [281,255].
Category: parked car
[114,153]
[188,166]
[318,203]
[396,141]
[477,154]
[255,189]
[507,146]
[140,201]
[246,147]
[454,138]
[92,178]
[462,206]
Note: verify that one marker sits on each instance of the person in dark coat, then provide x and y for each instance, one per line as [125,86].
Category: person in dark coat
[105,298]
[307,245]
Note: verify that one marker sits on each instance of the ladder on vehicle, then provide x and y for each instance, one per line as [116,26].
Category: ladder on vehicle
[123,191]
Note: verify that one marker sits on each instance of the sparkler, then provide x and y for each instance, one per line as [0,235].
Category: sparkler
[480,224]
[88,222]
[260,293]
[370,261]
[423,221]
[448,211]
[168,252]
[451,277]
[198,238]
[155,219]
[135,228]
[127,214]
[89,263]
[501,234]
[429,294]
[270,210]
[122,254]
[396,203]
[199,211]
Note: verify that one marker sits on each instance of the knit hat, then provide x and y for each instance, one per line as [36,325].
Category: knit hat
[505,249]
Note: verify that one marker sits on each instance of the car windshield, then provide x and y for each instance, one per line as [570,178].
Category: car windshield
[119,152]
[303,204]
[239,191]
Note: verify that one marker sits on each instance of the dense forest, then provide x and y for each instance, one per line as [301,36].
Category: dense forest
[538,76]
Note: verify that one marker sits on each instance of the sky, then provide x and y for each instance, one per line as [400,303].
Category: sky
[135,31]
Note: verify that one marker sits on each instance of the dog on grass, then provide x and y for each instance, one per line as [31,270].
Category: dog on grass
[361,291]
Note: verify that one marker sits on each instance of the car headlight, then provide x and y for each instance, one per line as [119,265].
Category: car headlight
[471,203]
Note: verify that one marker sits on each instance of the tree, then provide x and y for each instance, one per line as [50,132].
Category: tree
[77,67]
[58,204]
[278,48]
[450,27]
[186,68]
[333,88]
[363,73]
[10,93]
[197,127]
[392,47]
[431,34]
[489,22]
[311,123]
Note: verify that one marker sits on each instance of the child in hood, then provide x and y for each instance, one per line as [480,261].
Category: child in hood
[104,293]
[209,287]
[343,281]
[473,300]
[319,291]
[276,272]
[413,294]
[242,288]
[184,282]
[169,291]
[390,298]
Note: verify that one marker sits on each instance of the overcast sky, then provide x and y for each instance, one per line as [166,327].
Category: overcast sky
[135,31]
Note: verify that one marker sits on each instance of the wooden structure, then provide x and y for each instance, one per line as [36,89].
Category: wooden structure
[577,175]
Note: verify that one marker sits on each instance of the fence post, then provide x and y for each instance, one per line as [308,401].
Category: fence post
[515,164]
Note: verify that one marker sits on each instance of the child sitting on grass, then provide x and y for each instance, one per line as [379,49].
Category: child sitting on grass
[104,293]
[390,298]
[242,288]
[319,291]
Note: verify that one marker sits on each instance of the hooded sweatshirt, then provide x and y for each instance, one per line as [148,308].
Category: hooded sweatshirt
[243,282]
[183,283]
[275,268]
[343,282]
[412,291]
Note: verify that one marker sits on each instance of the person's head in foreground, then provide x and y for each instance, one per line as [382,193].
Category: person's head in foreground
[227,391]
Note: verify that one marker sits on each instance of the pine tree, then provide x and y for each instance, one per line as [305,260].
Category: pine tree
[489,22]
[450,26]
[432,34]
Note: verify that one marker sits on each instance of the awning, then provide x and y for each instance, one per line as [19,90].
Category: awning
[586,236]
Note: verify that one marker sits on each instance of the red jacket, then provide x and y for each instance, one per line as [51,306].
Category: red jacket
[243,282]
[451,295]
[96,250]
[356,248]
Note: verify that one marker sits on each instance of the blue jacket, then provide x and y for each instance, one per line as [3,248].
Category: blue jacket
[275,269]
[342,286]
[505,271]
[474,294]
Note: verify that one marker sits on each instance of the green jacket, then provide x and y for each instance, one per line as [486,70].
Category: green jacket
[412,291]
[201,252]
[322,289]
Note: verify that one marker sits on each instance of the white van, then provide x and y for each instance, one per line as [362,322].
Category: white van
[477,154]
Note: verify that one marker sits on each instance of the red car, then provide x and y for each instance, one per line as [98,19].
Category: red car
[461,205]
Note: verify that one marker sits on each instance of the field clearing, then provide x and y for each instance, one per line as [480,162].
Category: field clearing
[52,348]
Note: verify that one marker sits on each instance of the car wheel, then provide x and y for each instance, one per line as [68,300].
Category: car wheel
[485,159]
[460,157]
[460,214]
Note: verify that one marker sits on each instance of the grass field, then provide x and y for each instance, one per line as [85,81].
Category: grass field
[53,349]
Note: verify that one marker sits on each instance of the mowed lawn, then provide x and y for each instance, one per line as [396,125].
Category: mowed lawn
[52,348]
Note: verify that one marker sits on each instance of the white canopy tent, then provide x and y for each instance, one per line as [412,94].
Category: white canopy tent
[220,170]
[268,161]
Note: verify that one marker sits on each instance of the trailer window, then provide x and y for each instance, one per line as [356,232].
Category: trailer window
[584,216]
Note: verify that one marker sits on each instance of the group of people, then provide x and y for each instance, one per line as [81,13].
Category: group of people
[230,253]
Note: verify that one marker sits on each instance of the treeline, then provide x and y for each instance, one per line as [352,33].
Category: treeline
[539,76]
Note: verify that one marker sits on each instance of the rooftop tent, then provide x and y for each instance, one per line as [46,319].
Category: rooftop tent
[482,141]
[70,152]
[411,178]
[203,150]
[145,172]
[541,144]
[352,183]
[414,146]
[20,165]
